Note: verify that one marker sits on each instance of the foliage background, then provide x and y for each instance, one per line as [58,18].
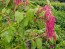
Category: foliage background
[19,31]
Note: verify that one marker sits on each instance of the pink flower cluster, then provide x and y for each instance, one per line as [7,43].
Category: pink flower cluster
[17,2]
[50,23]
[26,2]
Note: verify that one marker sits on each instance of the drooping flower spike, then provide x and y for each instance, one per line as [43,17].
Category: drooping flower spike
[46,7]
[17,2]
[27,2]
[20,2]
[50,33]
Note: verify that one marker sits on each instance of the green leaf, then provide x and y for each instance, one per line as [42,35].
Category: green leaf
[25,21]
[33,44]
[7,2]
[41,14]
[40,24]
[52,41]
[8,11]
[30,14]
[0,18]
[23,46]
[39,43]
[61,45]
[18,16]
[3,10]
[8,34]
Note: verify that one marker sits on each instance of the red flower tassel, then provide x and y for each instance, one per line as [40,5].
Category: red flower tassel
[26,2]
[17,2]
[51,46]
[50,23]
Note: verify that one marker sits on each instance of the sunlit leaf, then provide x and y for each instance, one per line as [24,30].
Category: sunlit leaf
[3,10]
[33,44]
[39,43]
[18,16]
[7,2]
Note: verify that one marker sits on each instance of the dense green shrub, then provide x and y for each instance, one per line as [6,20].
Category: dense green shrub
[38,2]
[58,6]
[60,18]
[61,0]
[18,28]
